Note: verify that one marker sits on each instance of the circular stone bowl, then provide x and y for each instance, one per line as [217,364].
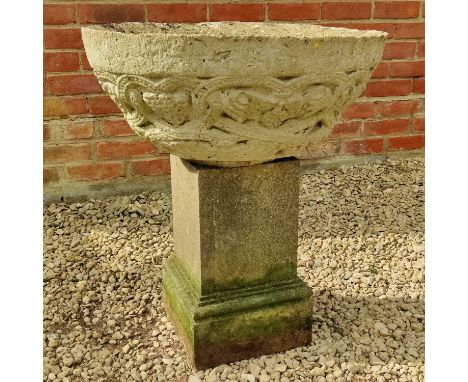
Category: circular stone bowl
[231,93]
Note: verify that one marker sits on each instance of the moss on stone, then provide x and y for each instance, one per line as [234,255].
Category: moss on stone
[178,299]
[270,274]
[255,322]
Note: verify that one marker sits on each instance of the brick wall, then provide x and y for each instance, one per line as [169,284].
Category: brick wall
[88,146]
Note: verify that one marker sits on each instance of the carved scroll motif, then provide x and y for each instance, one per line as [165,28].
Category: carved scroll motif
[232,109]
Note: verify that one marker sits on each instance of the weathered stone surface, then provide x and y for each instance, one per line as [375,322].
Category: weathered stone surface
[228,95]
[231,287]
[235,227]
[231,94]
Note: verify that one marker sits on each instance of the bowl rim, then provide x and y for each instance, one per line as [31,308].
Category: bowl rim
[235,29]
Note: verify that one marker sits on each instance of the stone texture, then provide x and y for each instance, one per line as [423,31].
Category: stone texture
[231,286]
[250,210]
[230,94]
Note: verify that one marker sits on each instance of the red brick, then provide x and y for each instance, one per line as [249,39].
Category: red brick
[400,107]
[59,14]
[409,30]
[346,11]
[421,49]
[78,130]
[61,62]
[407,69]
[348,129]
[63,38]
[293,12]
[111,13]
[388,88]
[388,126]
[237,12]
[108,150]
[359,110]
[396,9]
[96,171]
[50,175]
[384,27]
[116,129]
[401,49]
[102,105]
[151,167]
[362,146]
[45,89]
[66,153]
[418,124]
[74,84]
[411,142]
[85,62]
[177,13]
[381,71]
[418,86]
[58,106]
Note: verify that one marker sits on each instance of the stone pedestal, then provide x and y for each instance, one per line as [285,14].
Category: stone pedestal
[231,287]
[228,95]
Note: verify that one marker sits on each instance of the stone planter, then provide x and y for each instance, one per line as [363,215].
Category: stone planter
[225,99]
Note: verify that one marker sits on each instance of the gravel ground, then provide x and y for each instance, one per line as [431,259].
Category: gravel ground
[361,249]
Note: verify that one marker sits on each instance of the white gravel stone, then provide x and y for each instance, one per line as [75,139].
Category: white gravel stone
[255,369]
[381,328]
[67,360]
[248,377]
[213,378]
[194,378]
[361,250]
[281,367]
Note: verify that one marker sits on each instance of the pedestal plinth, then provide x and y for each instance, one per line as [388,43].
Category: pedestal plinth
[231,287]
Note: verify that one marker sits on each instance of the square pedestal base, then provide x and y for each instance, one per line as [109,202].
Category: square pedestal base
[231,286]
[238,324]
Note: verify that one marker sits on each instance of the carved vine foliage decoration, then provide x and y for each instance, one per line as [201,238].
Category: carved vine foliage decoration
[232,109]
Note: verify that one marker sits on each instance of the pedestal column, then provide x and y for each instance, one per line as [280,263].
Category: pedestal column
[231,286]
